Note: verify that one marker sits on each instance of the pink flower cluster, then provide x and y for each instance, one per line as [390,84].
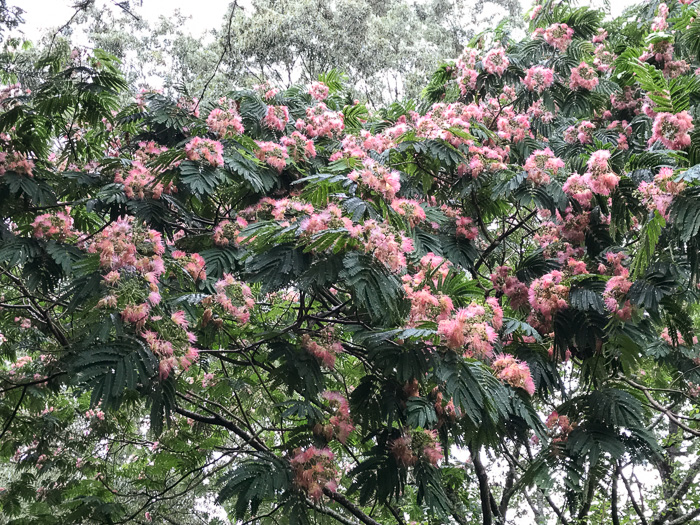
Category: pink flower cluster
[615,292]
[538,78]
[469,328]
[495,61]
[17,162]
[139,183]
[419,444]
[466,228]
[319,91]
[325,351]
[235,297]
[599,177]
[510,286]
[559,36]
[298,146]
[276,117]
[193,264]
[513,126]
[541,164]
[583,77]
[321,122]
[411,210]
[660,23]
[658,194]
[384,243]
[314,471]
[672,130]
[514,372]
[227,232]
[377,178]
[225,122]
[211,151]
[547,296]
[272,154]
[58,225]
[339,425]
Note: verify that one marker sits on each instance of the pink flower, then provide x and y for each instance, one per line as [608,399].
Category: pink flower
[276,117]
[538,78]
[583,77]
[496,62]
[211,151]
[514,372]
[672,130]
[319,91]
[272,154]
[559,36]
[541,164]
[314,471]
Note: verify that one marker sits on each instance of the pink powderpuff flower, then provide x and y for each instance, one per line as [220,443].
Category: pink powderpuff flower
[538,78]
[319,91]
[514,372]
[614,296]
[298,146]
[276,117]
[467,80]
[314,471]
[672,130]
[140,183]
[466,228]
[410,209]
[272,154]
[211,151]
[496,62]
[583,77]
[541,164]
[378,178]
[599,177]
[57,225]
[658,194]
[225,122]
[193,264]
[559,36]
[547,296]
[16,162]
[660,23]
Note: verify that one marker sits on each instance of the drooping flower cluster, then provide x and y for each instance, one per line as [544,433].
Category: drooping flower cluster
[599,177]
[377,178]
[510,286]
[298,146]
[547,296]
[140,183]
[514,372]
[541,164]
[272,154]
[314,471]
[276,117]
[470,330]
[495,61]
[538,78]
[235,297]
[326,350]
[411,210]
[559,36]
[225,122]
[672,130]
[227,232]
[206,150]
[415,446]
[615,297]
[658,194]
[193,263]
[319,91]
[17,162]
[340,424]
[57,225]
[583,77]
[321,122]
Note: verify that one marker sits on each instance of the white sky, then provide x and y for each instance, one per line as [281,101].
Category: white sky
[205,14]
